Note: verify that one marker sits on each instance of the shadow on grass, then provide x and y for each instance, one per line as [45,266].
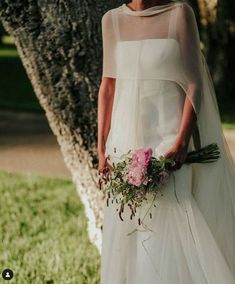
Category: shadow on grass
[227,112]
[43,231]
[16,90]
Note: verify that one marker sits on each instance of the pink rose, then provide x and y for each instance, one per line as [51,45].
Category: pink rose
[136,173]
[142,156]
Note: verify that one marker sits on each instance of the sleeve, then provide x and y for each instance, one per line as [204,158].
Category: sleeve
[109,46]
[189,41]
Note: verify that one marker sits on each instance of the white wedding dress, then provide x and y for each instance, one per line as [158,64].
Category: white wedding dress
[176,245]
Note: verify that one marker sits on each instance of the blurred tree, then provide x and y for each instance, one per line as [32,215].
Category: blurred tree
[217,29]
[225,59]
[2,33]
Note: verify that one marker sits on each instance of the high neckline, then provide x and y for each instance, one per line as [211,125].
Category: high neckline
[148,11]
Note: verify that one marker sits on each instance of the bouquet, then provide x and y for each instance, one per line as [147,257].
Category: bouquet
[139,173]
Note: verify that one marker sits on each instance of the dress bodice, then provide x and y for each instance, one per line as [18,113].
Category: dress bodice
[150,59]
[153,44]
[149,99]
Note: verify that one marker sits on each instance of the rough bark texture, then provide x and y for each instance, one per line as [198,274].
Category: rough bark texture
[59,42]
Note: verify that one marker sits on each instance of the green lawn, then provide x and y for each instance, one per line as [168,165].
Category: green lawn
[43,232]
[15,88]
[227,110]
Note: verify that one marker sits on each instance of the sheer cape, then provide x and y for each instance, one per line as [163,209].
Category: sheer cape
[214,183]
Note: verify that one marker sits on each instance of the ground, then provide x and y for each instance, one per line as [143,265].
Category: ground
[28,145]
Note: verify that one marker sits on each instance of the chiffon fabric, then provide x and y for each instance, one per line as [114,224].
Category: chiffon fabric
[155,57]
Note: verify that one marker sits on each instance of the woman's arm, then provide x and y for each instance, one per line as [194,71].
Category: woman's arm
[179,151]
[189,42]
[188,121]
[105,105]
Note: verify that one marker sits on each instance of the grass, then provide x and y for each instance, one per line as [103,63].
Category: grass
[7,40]
[16,90]
[227,111]
[8,52]
[43,232]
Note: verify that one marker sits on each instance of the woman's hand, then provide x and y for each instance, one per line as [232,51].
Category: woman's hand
[178,153]
[103,166]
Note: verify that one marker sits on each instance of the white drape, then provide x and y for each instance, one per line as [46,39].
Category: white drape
[213,183]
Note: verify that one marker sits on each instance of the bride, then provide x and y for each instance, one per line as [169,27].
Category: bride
[156,91]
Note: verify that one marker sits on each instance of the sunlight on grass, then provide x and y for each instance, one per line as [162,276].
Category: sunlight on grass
[43,231]
[8,52]
[7,39]
[227,114]
[228,125]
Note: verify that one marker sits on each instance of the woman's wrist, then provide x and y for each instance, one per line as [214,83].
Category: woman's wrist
[101,151]
[182,141]
[101,146]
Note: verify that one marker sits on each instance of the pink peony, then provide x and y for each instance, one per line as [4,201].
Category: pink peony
[164,176]
[142,156]
[136,173]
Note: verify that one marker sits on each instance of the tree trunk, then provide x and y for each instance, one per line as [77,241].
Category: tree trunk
[59,42]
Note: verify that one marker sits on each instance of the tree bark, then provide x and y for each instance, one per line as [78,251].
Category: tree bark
[59,42]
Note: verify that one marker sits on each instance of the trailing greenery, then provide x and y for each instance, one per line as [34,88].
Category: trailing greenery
[206,154]
[44,231]
[139,173]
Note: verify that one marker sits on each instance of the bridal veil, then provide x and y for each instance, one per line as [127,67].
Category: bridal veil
[213,183]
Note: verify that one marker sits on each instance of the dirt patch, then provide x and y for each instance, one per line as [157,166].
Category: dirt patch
[28,145]
[230,138]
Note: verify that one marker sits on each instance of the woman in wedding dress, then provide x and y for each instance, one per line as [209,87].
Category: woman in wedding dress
[156,91]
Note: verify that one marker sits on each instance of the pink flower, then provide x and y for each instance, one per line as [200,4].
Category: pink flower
[140,194]
[164,176]
[142,156]
[136,173]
